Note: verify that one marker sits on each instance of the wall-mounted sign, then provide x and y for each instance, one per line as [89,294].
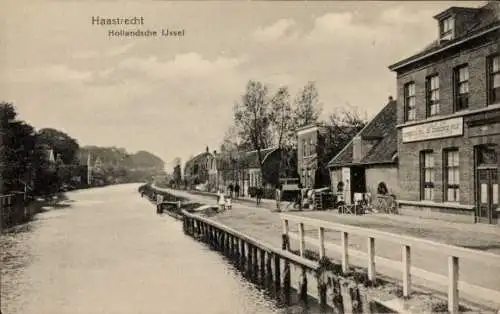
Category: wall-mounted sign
[433,130]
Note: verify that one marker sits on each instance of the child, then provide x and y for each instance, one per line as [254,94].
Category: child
[228,202]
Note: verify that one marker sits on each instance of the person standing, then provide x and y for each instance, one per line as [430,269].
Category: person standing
[159,201]
[230,189]
[221,201]
[236,191]
[258,195]
[278,197]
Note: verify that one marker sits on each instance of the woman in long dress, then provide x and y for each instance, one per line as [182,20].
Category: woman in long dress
[221,201]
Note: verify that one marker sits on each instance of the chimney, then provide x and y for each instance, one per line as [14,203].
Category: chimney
[215,152]
[206,149]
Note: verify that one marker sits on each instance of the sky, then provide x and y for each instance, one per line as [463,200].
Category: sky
[173,96]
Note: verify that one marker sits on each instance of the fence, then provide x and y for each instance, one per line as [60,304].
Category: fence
[407,244]
[14,209]
[270,268]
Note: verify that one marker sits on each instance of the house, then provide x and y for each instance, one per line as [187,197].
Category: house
[448,119]
[310,154]
[243,168]
[369,159]
[196,169]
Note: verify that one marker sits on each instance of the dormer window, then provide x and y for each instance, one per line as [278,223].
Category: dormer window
[446,28]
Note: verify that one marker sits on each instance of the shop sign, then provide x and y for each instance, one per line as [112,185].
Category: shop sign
[433,130]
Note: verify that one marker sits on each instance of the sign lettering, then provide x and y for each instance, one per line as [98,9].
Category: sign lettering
[433,130]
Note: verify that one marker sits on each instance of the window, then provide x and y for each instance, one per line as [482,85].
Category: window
[494,79]
[427,176]
[304,148]
[311,147]
[432,95]
[446,28]
[409,91]
[452,177]
[461,88]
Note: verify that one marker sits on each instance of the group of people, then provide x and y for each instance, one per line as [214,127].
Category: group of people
[223,200]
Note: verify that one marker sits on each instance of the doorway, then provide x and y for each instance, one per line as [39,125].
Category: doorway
[487,186]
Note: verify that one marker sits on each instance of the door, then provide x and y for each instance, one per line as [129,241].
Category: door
[488,191]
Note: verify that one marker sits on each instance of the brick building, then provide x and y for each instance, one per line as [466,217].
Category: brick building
[448,116]
[196,169]
[243,168]
[369,159]
[310,153]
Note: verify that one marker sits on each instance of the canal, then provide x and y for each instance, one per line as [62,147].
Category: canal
[106,251]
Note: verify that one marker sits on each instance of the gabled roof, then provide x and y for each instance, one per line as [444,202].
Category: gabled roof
[382,128]
[202,157]
[487,21]
[249,159]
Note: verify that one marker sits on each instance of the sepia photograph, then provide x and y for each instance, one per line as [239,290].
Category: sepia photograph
[249,157]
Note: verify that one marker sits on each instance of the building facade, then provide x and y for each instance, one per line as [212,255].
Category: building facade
[310,153]
[369,160]
[243,168]
[196,169]
[448,116]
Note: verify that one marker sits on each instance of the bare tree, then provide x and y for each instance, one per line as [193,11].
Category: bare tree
[251,118]
[281,123]
[307,107]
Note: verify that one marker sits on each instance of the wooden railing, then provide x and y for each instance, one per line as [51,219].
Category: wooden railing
[269,267]
[407,243]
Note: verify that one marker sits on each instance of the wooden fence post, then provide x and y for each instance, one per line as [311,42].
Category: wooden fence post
[321,238]
[406,261]
[371,259]
[345,255]
[302,242]
[453,268]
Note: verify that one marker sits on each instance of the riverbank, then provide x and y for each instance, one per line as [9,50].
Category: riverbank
[261,223]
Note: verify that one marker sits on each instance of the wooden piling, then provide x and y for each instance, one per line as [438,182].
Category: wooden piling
[255,263]
[335,293]
[269,270]
[277,273]
[322,282]
[249,268]
[262,268]
[286,283]
[242,255]
[302,286]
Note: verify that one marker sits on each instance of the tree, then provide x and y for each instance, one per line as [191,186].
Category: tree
[231,140]
[342,127]
[281,124]
[307,106]
[60,142]
[251,118]
[18,150]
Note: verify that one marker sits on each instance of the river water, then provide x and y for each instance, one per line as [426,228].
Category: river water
[106,251]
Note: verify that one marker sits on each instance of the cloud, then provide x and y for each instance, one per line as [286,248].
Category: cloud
[183,66]
[112,52]
[401,16]
[279,31]
[52,73]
